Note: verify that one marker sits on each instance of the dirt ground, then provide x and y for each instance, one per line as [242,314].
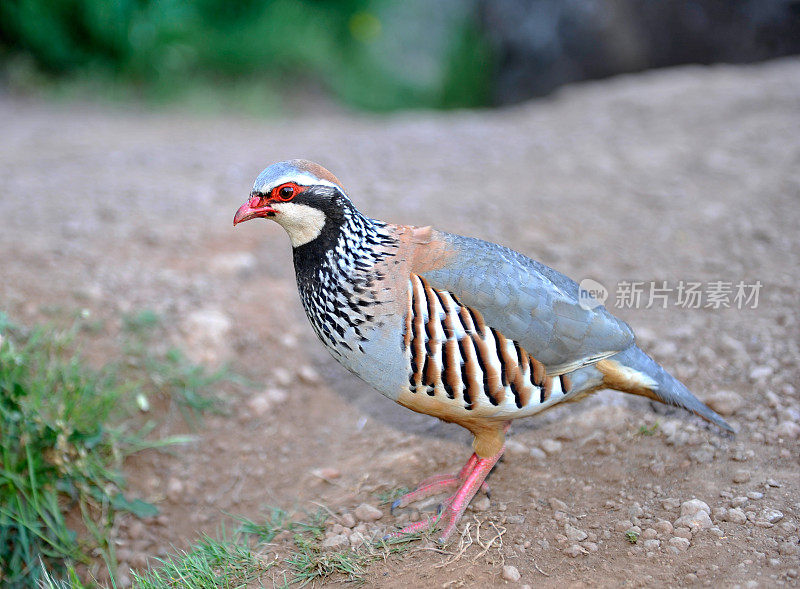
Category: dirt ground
[691,174]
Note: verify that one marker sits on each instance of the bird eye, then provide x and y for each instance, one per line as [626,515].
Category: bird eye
[285,192]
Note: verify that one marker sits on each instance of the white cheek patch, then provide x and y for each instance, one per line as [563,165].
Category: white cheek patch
[301,222]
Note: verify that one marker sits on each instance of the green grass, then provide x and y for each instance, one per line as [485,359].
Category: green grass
[166,373]
[247,556]
[208,564]
[64,432]
[647,430]
[388,497]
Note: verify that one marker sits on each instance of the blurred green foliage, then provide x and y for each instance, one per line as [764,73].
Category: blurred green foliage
[371,54]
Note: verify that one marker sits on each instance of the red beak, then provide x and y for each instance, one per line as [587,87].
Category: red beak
[251,210]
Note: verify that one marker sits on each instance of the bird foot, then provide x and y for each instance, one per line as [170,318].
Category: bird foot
[471,478]
[439,484]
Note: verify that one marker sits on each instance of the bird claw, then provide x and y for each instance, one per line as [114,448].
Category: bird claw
[469,481]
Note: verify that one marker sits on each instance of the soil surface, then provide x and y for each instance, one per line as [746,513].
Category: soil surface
[691,174]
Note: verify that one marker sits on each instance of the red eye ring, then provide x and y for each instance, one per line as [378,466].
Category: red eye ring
[286,192]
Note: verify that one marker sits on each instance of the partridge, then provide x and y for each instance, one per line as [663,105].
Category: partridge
[461,329]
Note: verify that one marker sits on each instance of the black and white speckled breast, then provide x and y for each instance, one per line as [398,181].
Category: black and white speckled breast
[338,281]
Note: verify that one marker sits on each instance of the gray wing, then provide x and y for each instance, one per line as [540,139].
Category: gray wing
[530,303]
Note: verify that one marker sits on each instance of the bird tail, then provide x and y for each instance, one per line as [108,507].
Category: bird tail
[633,371]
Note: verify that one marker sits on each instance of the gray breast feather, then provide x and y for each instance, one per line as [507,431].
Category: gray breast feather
[530,303]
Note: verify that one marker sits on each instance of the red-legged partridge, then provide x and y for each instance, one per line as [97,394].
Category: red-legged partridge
[467,331]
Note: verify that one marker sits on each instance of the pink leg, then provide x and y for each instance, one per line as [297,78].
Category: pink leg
[438,484]
[475,472]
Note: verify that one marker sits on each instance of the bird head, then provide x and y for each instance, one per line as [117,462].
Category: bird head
[299,195]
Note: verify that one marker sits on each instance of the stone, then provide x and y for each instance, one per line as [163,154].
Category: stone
[736,516]
[788,430]
[515,447]
[308,375]
[263,402]
[574,534]
[551,446]
[759,373]
[682,544]
[694,506]
[207,333]
[174,489]
[697,521]
[663,527]
[557,504]
[622,525]
[482,504]
[336,541]
[356,539]
[327,473]
[739,501]
[683,532]
[136,530]
[348,520]
[651,544]
[725,403]
[368,513]
[511,574]
[741,476]
[772,515]
[538,453]
[575,550]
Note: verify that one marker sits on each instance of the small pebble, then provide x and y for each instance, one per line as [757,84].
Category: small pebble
[348,520]
[174,489]
[368,513]
[356,539]
[683,533]
[698,521]
[670,504]
[551,446]
[725,403]
[741,476]
[694,506]
[538,453]
[772,515]
[575,550]
[510,573]
[663,527]
[682,544]
[308,375]
[327,473]
[336,541]
[623,525]
[574,534]
[482,504]
[515,447]
[736,516]
[738,501]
